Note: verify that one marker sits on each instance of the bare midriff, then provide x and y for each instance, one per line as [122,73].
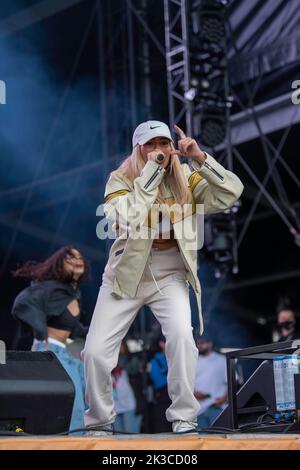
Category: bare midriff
[63,335]
[165,243]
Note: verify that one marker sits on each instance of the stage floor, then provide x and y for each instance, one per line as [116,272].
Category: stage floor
[156,442]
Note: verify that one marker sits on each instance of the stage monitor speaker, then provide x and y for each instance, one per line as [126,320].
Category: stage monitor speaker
[254,399]
[36,393]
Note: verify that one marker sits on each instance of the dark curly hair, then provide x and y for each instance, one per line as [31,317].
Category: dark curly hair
[52,268]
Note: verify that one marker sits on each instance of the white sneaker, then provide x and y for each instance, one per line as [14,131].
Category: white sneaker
[184,426]
[107,430]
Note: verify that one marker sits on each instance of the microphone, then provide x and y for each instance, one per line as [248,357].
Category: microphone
[160,158]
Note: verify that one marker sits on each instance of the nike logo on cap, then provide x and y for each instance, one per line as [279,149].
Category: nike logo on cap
[154,127]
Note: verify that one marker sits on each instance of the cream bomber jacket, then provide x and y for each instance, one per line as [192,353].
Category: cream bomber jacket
[211,185]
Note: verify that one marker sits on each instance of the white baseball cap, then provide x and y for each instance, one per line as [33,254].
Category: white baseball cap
[148,130]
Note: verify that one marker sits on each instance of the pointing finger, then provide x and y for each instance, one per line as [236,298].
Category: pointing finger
[179,132]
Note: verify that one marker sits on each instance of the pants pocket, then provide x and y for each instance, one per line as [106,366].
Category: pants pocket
[179,277]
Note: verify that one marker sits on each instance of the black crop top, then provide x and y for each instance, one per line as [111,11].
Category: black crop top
[44,304]
[68,322]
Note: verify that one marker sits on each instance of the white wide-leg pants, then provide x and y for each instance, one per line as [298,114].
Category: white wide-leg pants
[163,287]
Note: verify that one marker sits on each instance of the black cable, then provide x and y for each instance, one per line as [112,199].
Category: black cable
[261,417]
[96,429]
[288,428]
[66,433]
[265,425]
[217,430]
[14,434]
[112,432]
[212,430]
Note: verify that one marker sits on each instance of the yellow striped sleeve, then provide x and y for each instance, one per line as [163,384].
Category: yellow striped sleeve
[194,179]
[121,192]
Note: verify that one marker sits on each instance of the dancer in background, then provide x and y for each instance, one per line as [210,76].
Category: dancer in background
[50,309]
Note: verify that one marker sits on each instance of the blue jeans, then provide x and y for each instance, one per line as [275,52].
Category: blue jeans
[207,418]
[74,368]
[128,422]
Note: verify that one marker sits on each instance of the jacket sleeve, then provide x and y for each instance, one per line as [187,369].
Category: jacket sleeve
[130,205]
[29,308]
[218,189]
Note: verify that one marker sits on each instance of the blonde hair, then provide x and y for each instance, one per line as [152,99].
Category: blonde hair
[174,177]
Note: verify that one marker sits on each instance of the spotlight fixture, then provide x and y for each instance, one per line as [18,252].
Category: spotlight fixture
[213,128]
[212,27]
[190,94]
[219,234]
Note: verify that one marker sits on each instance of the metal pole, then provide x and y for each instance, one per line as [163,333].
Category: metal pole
[131,56]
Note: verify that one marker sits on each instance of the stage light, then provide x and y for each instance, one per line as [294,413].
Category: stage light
[261,321]
[222,3]
[217,273]
[204,83]
[190,94]
[235,208]
[212,27]
[213,128]
[194,82]
[219,238]
[198,85]
[235,269]
[208,24]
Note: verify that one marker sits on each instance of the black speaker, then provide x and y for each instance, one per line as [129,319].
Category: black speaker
[36,393]
[254,399]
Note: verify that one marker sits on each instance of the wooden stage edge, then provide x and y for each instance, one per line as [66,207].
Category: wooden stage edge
[156,442]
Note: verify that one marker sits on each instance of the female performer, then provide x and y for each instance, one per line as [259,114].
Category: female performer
[151,265]
[49,309]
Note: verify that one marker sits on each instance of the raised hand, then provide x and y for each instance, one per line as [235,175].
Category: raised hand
[188,147]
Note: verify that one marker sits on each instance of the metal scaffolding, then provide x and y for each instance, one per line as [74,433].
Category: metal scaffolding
[176,54]
[178,63]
